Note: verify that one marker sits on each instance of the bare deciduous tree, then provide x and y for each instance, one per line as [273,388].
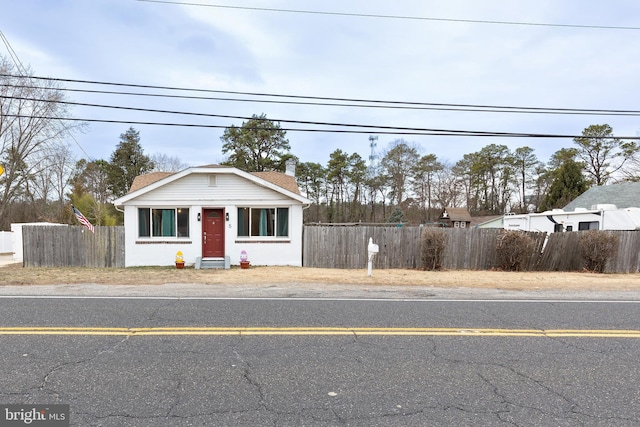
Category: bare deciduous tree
[163,163]
[30,123]
[49,182]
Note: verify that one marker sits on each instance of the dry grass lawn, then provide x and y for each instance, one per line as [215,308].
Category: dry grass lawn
[15,274]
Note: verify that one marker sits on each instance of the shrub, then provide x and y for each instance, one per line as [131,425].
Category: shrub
[514,250]
[432,245]
[596,248]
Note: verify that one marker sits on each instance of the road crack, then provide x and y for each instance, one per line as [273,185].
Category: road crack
[250,378]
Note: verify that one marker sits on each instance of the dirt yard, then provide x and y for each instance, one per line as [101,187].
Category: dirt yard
[15,274]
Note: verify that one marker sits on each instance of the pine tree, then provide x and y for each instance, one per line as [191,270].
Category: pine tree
[259,145]
[568,183]
[127,162]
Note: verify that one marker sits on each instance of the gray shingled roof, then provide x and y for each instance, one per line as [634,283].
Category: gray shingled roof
[623,195]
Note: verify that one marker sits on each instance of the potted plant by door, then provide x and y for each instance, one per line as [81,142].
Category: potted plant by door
[179,260]
[244,262]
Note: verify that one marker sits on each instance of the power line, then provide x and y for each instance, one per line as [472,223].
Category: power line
[373,129]
[25,74]
[13,54]
[225,116]
[333,101]
[351,128]
[400,17]
[423,107]
[393,129]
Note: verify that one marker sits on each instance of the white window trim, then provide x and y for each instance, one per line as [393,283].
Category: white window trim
[162,239]
[274,238]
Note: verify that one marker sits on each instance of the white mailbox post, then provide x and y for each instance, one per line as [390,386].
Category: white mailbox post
[372,249]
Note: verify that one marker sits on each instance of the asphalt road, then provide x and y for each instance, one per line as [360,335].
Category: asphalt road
[204,362]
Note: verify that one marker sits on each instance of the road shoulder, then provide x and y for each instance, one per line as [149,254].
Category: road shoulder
[307,291]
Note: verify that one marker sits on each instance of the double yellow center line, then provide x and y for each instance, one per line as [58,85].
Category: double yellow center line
[306,331]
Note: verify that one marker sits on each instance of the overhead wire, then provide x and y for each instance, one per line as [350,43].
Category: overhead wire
[12,54]
[351,128]
[377,128]
[25,74]
[331,101]
[397,17]
[225,116]
[367,130]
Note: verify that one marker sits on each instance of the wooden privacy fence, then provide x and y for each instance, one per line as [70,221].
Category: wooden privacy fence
[73,246]
[346,247]
[562,253]
[342,247]
[465,249]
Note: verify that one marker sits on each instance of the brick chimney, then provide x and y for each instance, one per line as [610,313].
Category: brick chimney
[290,167]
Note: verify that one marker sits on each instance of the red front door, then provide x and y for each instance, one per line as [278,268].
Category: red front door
[213,233]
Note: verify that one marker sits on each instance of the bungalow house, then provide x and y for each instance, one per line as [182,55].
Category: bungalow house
[213,214]
[455,217]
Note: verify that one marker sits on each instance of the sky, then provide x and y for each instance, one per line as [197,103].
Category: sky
[460,52]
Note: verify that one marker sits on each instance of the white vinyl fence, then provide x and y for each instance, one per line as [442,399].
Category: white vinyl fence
[6,247]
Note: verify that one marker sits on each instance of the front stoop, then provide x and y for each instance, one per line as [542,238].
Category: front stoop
[213,263]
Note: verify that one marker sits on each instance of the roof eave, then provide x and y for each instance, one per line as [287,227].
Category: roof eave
[222,170]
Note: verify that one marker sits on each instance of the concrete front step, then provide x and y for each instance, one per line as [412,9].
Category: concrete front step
[213,263]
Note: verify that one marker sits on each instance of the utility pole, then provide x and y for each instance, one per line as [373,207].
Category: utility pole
[371,172]
[373,157]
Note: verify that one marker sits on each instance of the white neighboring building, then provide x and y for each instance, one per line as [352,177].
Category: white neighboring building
[599,217]
[6,243]
[213,213]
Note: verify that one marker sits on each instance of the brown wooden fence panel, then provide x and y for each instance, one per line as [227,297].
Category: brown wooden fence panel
[628,257]
[346,247]
[470,249]
[562,253]
[466,249]
[73,246]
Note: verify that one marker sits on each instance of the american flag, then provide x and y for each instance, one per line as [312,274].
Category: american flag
[83,220]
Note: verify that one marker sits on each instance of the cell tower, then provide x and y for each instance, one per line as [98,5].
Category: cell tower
[373,157]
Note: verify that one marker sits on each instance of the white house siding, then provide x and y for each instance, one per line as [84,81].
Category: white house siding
[231,192]
[195,187]
[145,251]
[262,252]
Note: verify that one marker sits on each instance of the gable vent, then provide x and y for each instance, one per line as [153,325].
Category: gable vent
[213,180]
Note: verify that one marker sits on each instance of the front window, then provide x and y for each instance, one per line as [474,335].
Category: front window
[182,217]
[263,222]
[163,222]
